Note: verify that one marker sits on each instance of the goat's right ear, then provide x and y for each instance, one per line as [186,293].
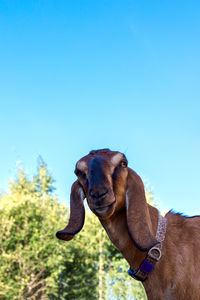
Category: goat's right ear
[138,217]
[77,213]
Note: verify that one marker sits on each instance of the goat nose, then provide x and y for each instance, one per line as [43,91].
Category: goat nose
[98,193]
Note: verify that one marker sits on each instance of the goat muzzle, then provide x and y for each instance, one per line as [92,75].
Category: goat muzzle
[98,194]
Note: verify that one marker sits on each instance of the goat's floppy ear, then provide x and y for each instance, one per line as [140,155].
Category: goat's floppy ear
[138,217]
[77,213]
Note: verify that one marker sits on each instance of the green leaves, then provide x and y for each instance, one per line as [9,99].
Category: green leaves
[29,262]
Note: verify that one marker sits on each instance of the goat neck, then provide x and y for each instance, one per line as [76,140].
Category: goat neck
[117,230]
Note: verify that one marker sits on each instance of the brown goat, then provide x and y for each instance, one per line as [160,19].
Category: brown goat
[115,194]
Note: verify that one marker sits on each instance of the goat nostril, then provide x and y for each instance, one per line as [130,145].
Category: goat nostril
[104,193]
[99,193]
[92,193]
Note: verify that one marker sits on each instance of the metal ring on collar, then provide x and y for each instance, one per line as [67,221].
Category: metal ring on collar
[152,255]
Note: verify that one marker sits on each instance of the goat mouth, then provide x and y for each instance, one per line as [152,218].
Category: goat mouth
[103,209]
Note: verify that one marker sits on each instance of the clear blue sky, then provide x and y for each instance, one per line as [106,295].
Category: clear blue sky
[81,75]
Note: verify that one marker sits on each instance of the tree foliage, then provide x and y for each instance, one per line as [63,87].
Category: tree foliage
[29,264]
[35,265]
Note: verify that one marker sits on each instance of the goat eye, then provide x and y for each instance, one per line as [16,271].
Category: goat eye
[83,175]
[123,164]
[80,173]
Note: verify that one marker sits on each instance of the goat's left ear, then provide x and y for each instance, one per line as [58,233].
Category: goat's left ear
[77,213]
[138,217]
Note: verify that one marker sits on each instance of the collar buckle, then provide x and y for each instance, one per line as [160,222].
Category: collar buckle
[155,253]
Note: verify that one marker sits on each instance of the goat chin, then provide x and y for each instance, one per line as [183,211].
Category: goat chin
[131,224]
[105,211]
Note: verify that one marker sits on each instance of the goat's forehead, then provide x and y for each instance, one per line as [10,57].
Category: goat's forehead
[111,158]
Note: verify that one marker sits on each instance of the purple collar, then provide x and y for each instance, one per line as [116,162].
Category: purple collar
[154,253]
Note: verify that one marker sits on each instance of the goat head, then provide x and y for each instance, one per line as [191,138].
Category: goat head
[109,186]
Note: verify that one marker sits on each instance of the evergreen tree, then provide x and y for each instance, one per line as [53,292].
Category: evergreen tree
[29,252]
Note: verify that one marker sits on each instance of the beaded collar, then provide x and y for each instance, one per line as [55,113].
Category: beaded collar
[153,255]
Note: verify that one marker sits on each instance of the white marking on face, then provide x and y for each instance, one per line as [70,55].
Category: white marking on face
[116,159]
[81,193]
[81,165]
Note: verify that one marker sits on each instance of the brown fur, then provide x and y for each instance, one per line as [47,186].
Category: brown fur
[131,225]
